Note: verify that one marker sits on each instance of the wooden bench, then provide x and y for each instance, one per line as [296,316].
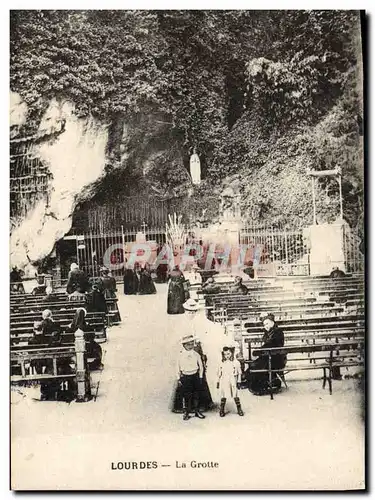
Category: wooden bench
[354,358]
[21,326]
[290,324]
[246,313]
[23,367]
[309,336]
[113,314]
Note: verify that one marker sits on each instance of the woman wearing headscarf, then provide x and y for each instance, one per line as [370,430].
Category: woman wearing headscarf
[258,383]
[77,284]
[176,292]
[95,299]
[109,284]
[93,349]
[238,287]
[48,332]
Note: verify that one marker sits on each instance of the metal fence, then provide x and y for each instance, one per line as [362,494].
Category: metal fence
[93,250]
[133,211]
[354,258]
[279,252]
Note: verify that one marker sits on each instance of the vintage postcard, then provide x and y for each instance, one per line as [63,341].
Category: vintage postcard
[187,243]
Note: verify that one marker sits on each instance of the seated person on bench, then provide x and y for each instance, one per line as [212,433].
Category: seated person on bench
[16,285]
[337,273]
[77,284]
[47,332]
[210,287]
[49,296]
[93,349]
[273,337]
[238,287]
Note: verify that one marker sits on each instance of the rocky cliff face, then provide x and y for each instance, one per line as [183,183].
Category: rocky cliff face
[76,159]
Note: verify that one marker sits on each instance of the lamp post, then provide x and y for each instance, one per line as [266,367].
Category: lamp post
[326,173]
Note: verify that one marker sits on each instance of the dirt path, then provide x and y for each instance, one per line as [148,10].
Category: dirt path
[305,438]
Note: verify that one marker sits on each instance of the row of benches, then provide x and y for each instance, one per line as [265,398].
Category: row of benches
[25,310]
[320,317]
[342,354]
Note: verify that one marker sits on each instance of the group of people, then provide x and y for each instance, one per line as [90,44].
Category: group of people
[94,291]
[15,278]
[138,280]
[192,393]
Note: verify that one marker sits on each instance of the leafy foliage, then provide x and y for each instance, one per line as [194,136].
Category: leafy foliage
[260,95]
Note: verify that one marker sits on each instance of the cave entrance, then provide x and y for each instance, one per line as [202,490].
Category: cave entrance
[66,249]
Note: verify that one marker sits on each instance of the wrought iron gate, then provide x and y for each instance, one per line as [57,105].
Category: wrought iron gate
[94,250]
[279,252]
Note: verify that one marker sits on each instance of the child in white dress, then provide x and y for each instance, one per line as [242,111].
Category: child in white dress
[229,378]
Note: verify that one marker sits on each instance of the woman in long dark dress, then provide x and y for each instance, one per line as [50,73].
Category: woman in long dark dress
[93,349]
[204,397]
[131,282]
[146,285]
[109,284]
[176,292]
[95,299]
[258,383]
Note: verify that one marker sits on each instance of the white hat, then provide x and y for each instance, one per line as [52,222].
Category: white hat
[231,344]
[187,339]
[74,266]
[190,305]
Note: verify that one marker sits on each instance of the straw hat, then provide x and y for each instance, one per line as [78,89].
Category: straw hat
[186,339]
[190,305]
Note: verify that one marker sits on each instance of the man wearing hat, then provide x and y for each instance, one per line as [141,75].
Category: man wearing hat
[190,376]
[273,337]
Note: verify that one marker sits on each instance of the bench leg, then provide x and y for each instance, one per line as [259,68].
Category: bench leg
[281,376]
[330,370]
[324,378]
[270,375]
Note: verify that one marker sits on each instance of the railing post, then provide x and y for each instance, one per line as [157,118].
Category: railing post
[83,377]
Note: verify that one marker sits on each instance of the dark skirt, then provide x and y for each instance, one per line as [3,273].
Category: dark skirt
[162,273]
[258,383]
[131,283]
[95,302]
[204,400]
[146,285]
[176,297]
[94,353]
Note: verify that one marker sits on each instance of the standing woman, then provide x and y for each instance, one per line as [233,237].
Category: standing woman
[176,292]
[131,282]
[204,396]
[93,349]
[146,285]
